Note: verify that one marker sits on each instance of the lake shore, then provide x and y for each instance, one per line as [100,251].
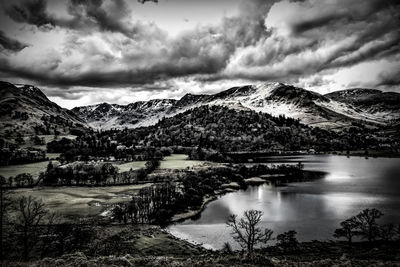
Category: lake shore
[277,179]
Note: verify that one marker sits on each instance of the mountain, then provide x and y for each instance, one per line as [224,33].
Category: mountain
[25,109]
[142,113]
[326,111]
[383,105]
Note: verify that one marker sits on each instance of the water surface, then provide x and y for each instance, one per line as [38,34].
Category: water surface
[314,209]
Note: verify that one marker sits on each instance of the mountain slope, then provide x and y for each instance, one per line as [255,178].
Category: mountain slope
[383,106]
[327,111]
[25,110]
[142,113]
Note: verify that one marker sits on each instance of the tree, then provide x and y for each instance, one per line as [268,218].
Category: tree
[387,232]
[30,214]
[4,205]
[23,179]
[246,231]
[366,222]
[348,229]
[62,235]
[287,241]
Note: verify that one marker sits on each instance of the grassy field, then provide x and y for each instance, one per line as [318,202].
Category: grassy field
[134,165]
[33,168]
[53,155]
[175,161]
[179,161]
[87,201]
[80,201]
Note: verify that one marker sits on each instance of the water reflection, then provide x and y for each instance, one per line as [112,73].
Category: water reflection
[314,209]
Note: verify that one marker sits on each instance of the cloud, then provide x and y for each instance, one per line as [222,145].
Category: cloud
[31,12]
[84,15]
[13,45]
[327,35]
[301,42]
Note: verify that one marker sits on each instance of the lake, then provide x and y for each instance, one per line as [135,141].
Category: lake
[314,209]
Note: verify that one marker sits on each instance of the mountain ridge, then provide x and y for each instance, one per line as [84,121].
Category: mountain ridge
[326,111]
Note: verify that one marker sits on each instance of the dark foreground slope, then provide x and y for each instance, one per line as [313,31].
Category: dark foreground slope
[151,246]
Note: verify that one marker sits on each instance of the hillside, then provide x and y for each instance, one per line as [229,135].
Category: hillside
[25,110]
[381,104]
[329,111]
[225,129]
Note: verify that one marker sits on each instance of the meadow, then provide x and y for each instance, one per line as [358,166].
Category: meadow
[80,201]
[84,201]
[174,161]
[179,161]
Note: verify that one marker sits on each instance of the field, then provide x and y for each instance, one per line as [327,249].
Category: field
[33,168]
[179,161]
[175,161]
[53,155]
[80,201]
[134,165]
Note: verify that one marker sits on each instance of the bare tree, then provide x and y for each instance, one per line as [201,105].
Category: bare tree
[30,214]
[387,232]
[348,229]
[246,232]
[366,221]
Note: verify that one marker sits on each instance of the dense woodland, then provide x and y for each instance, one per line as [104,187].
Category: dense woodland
[218,130]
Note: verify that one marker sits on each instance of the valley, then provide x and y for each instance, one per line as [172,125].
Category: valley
[161,177]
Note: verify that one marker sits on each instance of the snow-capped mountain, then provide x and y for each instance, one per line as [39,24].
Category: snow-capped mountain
[25,109]
[142,113]
[328,111]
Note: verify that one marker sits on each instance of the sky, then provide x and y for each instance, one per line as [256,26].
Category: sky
[82,52]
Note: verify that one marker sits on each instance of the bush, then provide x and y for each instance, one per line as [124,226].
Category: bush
[288,241]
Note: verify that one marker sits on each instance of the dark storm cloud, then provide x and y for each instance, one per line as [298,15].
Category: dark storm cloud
[90,13]
[30,11]
[10,44]
[204,51]
[269,40]
[353,11]
[306,25]
[84,15]
[69,94]
[308,37]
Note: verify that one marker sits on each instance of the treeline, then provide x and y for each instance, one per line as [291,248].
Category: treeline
[247,232]
[364,225]
[78,173]
[154,204]
[95,145]
[11,153]
[94,173]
